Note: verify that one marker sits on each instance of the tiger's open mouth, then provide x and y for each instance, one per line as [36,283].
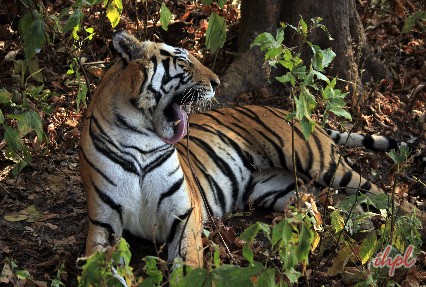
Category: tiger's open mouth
[176,114]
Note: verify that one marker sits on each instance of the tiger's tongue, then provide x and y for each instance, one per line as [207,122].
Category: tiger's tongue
[181,118]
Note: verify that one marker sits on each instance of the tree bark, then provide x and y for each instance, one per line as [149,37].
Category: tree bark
[245,72]
[340,17]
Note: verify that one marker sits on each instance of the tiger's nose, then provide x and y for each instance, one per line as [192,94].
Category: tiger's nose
[214,83]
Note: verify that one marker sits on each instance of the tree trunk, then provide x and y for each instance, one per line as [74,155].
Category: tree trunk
[246,72]
[340,18]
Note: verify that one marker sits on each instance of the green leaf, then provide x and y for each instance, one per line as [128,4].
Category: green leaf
[293,275]
[114,11]
[29,121]
[33,213]
[320,76]
[12,138]
[196,277]
[5,96]
[216,257]
[34,36]
[248,253]
[410,21]
[287,78]
[379,201]
[1,117]
[207,2]
[328,57]
[303,28]
[19,166]
[266,41]
[122,252]
[368,248]
[305,239]
[216,32]
[165,16]
[250,233]
[273,52]
[221,3]
[15,217]
[74,20]
[337,221]
[23,274]
[338,111]
[267,278]
[35,70]
[81,96]
[282,231]
[232,275]
[25,22]
[321,58]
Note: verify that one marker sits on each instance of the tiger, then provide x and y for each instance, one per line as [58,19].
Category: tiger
[150,169]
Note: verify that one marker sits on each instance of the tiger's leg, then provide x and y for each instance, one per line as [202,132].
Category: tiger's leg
[273,189]
[105,223]
[185,236]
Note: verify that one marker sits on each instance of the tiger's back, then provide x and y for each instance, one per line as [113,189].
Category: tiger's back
[232,149]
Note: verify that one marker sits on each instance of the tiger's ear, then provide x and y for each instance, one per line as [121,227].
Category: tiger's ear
[127,45]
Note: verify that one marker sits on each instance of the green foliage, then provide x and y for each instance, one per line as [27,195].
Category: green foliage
[33,32]
[23,121]
[216,32]
[165,16]
[413,20]
[291,240]
[306,81]
[109,268]
[400,157]
[57,282]
[114,10]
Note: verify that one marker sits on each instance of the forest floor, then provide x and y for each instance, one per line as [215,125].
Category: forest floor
[43,215]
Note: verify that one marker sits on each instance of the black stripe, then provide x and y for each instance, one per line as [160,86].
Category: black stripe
[230,128]
[165,53]
[228,141]
[122,123]
[309,155]
[217,111]
[158,161]
[248,190]
[97,169]
[180,219]
[252,115]
[365,187]
[368,142]
[106,226]
[282,193]
[116,158]
[278,149]
[392,144]
[330,172]
[173,171]
[98,142]
[346,179]
[219,196]
[221,164]
[145,80]
[172,190]
[109,201]
[277,194]
[278,113]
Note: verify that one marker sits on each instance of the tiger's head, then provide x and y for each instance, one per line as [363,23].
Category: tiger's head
[163,78]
